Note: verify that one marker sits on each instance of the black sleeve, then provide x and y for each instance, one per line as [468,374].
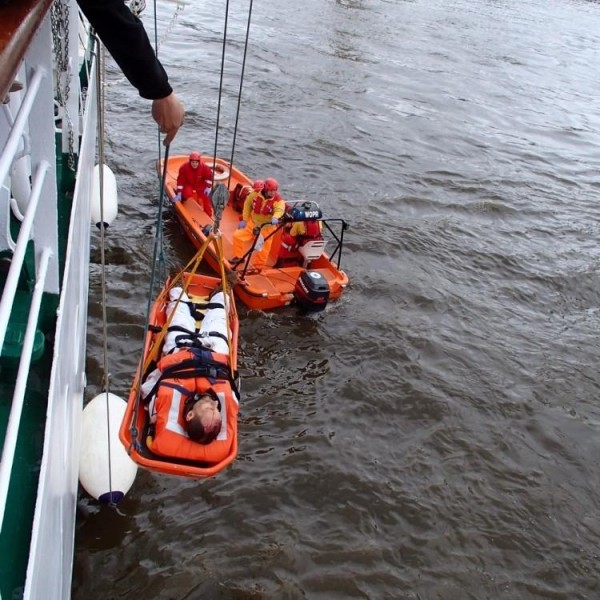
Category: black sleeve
[125,38]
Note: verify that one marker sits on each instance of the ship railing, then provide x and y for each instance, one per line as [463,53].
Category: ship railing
[25,115]
[10,288]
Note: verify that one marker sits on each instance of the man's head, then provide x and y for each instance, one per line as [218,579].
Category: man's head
[271,186]
[202,415]
[194,158]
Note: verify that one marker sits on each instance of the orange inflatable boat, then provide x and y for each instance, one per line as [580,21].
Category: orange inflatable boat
[310,278]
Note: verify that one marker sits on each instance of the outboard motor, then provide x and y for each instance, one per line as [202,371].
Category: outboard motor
[311,291]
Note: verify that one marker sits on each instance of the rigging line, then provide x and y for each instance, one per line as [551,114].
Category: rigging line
[161,260]
[155,30]
[218,244]
[239,100]
[164,297]
[144,364]
[100,101]
[220,89]
[157,238]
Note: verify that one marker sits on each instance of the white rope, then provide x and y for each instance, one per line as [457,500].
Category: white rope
[106,374]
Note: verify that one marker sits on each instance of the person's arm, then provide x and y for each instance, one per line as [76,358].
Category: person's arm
[248,205]
[279,208]
[125,38]
[181,177]
[207,173]
[150,382]
[297,229]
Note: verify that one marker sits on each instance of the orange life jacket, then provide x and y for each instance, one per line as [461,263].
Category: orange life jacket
[313,232]
[262,206]
[182,380]
[239,196]
[290,243]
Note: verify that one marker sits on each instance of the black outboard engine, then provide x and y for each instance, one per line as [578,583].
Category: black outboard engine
[311,291]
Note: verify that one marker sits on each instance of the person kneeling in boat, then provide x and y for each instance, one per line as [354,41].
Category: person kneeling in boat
[194,180]
[191,398]
[299,233]
[261,208]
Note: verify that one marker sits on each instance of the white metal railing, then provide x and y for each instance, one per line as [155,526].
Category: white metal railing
[10,287]
[14,420]
[9,152]
[12,143]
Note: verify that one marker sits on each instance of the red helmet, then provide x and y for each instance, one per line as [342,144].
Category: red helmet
[271,185]
[194,156]
[258,185]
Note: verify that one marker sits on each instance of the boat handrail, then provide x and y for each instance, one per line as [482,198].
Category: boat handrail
[18,128]
[12,281]
[14,419]
[18,258]
[19,21]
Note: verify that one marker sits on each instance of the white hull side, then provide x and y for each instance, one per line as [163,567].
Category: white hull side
[50,566]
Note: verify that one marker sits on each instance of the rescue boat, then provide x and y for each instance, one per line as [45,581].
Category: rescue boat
[309,280]
[139,436]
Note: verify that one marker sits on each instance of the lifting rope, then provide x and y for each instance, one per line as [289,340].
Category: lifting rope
[219,197]
[106,374]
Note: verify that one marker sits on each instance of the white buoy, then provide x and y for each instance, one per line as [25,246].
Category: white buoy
[111,203]
[106,482]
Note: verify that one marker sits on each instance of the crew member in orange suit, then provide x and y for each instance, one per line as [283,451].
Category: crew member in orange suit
[296,235]
[260,208]
[194,181]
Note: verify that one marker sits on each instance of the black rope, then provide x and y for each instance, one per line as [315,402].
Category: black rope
[241,87]
[158,256]
[157,239]
[239,99]
[220,90]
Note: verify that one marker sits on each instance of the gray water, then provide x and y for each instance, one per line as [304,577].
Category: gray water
[435,433]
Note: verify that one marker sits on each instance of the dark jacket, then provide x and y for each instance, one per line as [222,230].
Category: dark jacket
[125,38]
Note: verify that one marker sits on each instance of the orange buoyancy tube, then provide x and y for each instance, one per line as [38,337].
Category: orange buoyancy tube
[170,438]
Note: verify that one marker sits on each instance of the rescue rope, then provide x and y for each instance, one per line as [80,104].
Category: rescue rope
[106,375]
[239,98]
[163,297]
[155,254]
[214,238]
[158,257]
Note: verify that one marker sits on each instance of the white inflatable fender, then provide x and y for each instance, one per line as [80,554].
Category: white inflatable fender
[94,467]
[111,203]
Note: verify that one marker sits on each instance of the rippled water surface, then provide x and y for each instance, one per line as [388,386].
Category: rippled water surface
[435,433]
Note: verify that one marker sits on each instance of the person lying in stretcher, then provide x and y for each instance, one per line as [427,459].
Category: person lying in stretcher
[191,397]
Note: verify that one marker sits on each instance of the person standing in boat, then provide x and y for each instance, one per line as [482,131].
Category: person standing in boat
[125,38]
[183,407]
[194,181]
[261,208]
